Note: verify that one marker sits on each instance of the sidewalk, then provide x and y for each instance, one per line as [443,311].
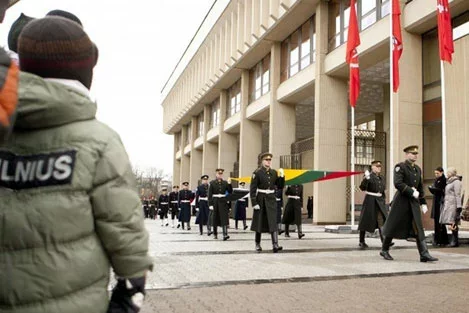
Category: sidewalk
[196,273]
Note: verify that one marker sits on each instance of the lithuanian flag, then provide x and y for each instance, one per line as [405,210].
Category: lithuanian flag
[299,177]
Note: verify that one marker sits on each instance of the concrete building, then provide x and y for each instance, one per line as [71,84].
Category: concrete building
[270,75]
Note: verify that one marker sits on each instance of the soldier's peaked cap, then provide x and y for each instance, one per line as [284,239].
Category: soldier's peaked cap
[265,155]
[411,149]
[204,177]
[186,183]
[220,170]
[242,183]
[376,162]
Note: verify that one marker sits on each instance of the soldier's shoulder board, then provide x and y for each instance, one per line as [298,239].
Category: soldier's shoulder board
[36,170]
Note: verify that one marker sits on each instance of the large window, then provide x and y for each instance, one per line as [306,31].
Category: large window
[260,79]
[215,114]
[298,50]
[368,11]
[234,94]
[200,125]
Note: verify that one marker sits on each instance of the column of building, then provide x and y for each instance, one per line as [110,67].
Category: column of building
[185,159]
[330,130]
[210,149]
[227,143]
[177,162]
[196,158]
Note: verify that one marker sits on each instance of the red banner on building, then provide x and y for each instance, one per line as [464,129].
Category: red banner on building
[445,31]
[397,46]
[353,41]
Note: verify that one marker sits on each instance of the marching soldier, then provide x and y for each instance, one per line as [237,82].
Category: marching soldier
[201,204]
[373,214]
[292,214]
[174,204]
[279,200]
[163,206]
[405,218]
[185,198]
[240,209]
[263,184]
[146,208]
[152,210]
[218,203]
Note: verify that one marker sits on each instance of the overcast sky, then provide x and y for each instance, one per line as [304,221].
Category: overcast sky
[139,43]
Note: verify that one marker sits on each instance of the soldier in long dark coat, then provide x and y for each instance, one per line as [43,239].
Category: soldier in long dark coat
[201,205]
[152,204]
[440,236]
[292,214]
[405,218]
[373,214]
[174,204]
[218,203]
[146,207]
[163,206]
[240,209]
[185,198]
[263,184]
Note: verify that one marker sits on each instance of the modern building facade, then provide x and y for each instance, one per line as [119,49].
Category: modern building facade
[270,75]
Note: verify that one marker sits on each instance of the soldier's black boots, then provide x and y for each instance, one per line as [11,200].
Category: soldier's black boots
[258,242]
[424,255]
[287,232]
[188,226]
[209,230]
[280,231]
[215,233]
[275,246]
[201,229]
[361,241]
[182,225]
[454,239]
[381,237]
[300,232]
[385,249]
[236,224]
[225,233]
[245,226]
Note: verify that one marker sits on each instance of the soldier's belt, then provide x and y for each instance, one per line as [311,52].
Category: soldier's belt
[374,194]
[164,203]
[266,191]
[218,196]
[174,201]
[203,198]
[294,197]
[186,201]
[278,199]
[242,200]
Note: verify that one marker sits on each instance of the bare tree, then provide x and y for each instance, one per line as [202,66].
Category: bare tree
[149,180]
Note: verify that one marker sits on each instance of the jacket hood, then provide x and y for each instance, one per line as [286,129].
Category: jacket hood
[43,104]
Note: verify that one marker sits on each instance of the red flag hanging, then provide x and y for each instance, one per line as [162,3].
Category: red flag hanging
[353,41]
[445,31]
[397,46]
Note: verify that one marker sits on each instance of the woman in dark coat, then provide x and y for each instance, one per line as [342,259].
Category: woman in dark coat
[292,214]
[440,236]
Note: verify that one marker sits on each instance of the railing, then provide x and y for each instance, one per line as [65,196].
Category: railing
[302,146]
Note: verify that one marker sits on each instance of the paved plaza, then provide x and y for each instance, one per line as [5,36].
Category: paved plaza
[323,272]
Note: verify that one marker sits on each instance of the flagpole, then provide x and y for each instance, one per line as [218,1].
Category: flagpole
[443,116]
[391,113]
[352,168]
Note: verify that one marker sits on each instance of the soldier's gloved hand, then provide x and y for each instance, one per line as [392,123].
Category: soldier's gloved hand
[229,180]
[379,194]
[256,207]
[415,194]
[424,208]
[367,174]
[281,172]
[127,295]
[210,208]
[179,209]
[197,209]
